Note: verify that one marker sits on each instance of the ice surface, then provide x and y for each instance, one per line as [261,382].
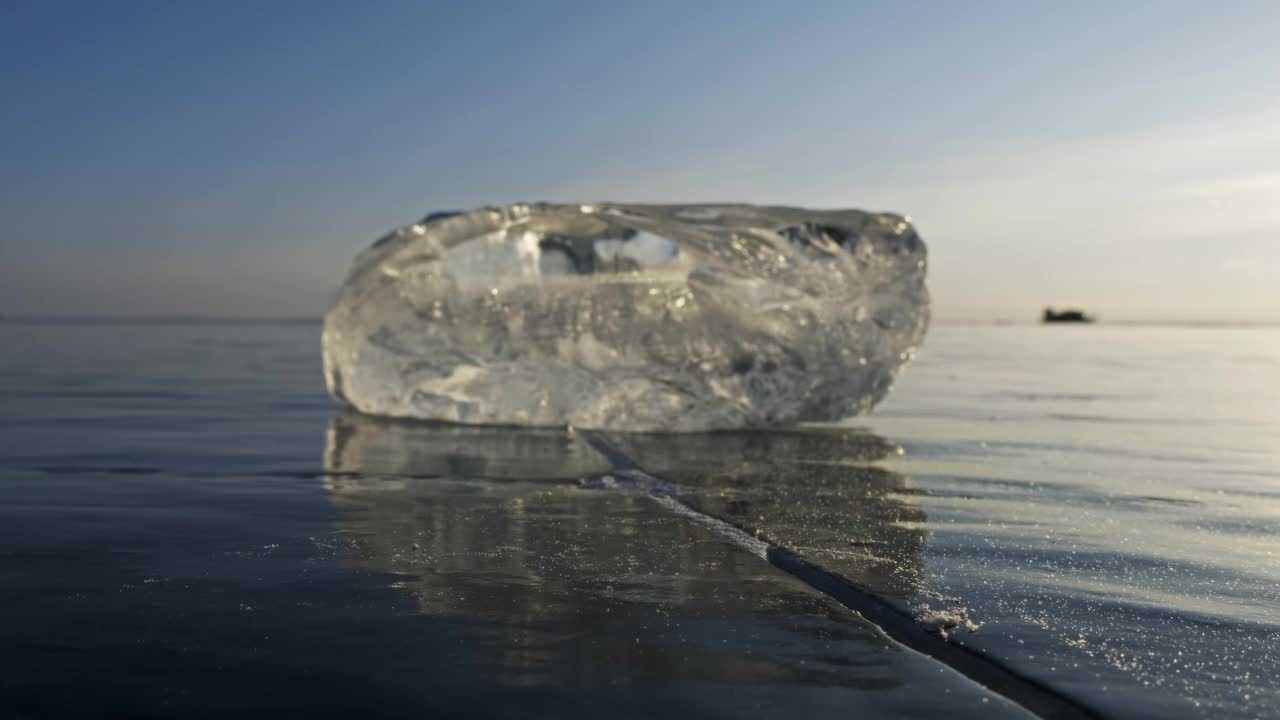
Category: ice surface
[630,317]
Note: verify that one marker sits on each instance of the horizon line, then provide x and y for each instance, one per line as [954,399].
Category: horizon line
[196,319]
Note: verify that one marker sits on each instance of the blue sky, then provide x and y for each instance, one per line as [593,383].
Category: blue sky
[231,157]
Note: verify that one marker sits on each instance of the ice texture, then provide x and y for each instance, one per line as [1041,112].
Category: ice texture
[630,317]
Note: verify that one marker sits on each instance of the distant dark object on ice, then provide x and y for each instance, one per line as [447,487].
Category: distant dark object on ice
[1066,316]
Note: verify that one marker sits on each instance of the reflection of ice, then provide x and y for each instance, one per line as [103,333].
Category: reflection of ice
[368,446]
[489,524]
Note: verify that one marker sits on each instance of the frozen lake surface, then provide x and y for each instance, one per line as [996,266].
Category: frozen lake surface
[1083,518]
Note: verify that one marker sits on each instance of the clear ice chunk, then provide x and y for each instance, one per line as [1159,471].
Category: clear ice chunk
[630,317]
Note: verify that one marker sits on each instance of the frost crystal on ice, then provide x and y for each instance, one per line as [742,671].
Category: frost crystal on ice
[630,317]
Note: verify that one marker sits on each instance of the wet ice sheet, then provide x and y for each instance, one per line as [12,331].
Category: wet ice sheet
[160,489]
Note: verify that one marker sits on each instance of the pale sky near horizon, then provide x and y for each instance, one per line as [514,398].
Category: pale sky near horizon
[231,158]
